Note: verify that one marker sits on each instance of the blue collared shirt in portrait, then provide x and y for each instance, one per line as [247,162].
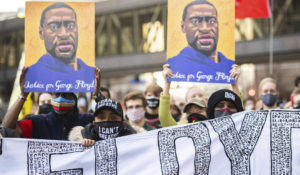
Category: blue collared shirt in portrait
[193,66]
[50,74]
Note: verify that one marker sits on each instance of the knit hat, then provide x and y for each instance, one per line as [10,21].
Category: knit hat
[220,95]
[110,104]
[196,101]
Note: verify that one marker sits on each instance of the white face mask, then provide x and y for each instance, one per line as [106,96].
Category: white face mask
[135,115]
[249,107]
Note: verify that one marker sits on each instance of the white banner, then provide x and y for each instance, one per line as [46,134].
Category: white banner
[255,142]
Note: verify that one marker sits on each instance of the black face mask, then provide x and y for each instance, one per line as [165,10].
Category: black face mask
[195,117]
[152,102]
[297,107]
[176,117]
[151,116]
[45,108]
[107,130]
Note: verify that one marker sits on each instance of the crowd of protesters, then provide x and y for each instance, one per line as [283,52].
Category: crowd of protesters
[92,117]
[74,117]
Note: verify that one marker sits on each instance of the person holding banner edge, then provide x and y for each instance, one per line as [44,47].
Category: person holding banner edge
[200,58]
[108,123]
[54,125]
[59,30]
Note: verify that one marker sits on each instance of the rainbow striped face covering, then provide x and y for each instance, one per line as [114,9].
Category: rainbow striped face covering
[61,105]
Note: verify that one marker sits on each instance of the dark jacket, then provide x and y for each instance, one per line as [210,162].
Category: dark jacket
[52,126]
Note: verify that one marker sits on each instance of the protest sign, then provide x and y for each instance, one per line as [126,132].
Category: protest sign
[200,40]
[59,46]
[254,142]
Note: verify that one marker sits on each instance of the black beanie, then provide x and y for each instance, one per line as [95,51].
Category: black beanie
[220,95]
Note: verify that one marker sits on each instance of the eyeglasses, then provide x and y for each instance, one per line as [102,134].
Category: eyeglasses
[54,26]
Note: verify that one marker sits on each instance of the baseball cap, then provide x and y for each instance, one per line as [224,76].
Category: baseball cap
[110,104]
[196,101]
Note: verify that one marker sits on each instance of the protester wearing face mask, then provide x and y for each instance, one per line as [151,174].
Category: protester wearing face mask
[222,103]
[268,93]
[152,94]
[196,110]
[108,123]
[296,98]
[135,105]
[249,104]
[44,103]
[56,124]
[176,112]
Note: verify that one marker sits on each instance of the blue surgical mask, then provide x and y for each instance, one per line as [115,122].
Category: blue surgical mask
[269,99]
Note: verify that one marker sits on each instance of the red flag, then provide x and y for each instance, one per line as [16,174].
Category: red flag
[252,9]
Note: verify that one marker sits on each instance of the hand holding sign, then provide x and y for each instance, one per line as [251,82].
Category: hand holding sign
[97,80]
[235,73]
[22,81]
[167,73]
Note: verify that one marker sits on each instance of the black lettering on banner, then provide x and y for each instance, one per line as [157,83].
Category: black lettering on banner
[282,123]
[239,145]
[39,155]
[106,157]
[198,132]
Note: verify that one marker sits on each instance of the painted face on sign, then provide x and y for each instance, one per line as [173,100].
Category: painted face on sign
[201,28]
[60,33]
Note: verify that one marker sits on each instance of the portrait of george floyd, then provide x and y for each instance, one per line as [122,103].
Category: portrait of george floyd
[60,47]
[200,40]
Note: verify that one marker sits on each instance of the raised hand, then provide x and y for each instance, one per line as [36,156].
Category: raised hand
[167,72]
[235,72]
[97,80]
[22,82]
